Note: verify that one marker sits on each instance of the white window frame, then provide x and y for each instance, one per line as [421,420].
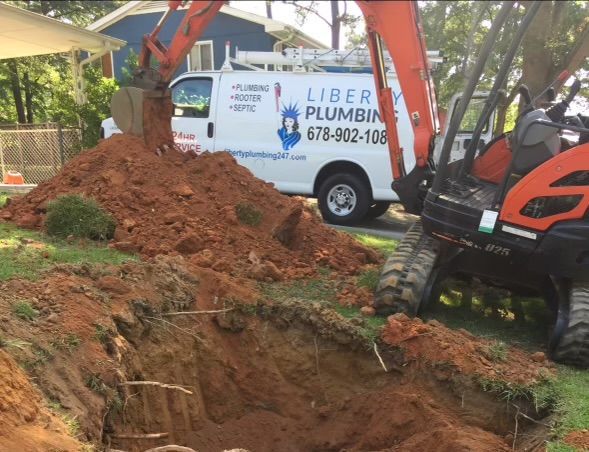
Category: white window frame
[198,44]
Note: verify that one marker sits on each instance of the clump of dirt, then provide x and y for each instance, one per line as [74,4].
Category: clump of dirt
[157,122]
[462,352]
[25,423]
[578,439]
[178,204]
[297,376]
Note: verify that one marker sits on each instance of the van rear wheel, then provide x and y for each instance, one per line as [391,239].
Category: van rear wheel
[343,199]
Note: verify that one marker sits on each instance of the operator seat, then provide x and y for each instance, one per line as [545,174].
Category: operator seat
[533,144]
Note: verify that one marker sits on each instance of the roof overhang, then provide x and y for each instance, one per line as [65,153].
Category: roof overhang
[24,33]
[292,36]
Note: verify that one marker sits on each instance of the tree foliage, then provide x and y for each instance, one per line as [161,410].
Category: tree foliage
[557,39]
[40,88]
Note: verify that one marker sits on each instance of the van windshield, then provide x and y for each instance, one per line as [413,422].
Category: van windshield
[192,97]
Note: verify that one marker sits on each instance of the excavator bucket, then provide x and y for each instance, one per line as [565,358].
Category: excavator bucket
[146,114]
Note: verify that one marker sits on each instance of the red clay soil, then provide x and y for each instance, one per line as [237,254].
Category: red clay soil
[579,440]
[25,423]
[157,122]
[178,204]
[462,352]
[293,380]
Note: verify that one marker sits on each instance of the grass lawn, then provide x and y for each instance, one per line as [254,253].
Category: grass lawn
[25,254]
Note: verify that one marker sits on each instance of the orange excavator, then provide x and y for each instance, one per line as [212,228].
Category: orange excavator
[511,212]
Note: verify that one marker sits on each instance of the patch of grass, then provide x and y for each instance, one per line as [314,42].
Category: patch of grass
[248,214]
[103,333]
[316,289]
[542,394]
[115,403]
[369,279]
[496,351]
[40,357]
[384,245]
[26,253]
[78,216]
[3,199]
[68,342]
[72,424]
[370,327]
[572,399]
[14,343]
[23,310]
[95,383]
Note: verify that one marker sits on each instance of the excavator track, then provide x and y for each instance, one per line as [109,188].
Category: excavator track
[406,273]
[573,346]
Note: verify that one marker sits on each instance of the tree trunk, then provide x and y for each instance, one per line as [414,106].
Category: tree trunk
[537,67]
[28,97]
[335,25]
[15,87]
[269,9]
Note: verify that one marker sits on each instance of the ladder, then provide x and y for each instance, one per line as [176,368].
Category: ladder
[316,59]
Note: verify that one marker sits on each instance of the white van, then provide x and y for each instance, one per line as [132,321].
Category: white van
[309,133]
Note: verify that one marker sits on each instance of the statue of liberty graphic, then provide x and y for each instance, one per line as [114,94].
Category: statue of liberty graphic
[289,132]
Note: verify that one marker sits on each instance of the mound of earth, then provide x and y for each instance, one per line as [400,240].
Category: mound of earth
[208,208]
[110,345]
[462,352]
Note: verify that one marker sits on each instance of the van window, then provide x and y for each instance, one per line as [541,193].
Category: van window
[192,97]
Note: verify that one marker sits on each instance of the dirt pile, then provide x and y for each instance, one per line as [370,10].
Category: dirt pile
[461,352]
[296,377]
[208,208]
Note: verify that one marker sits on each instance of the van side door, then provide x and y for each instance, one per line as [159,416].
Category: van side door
[193,121]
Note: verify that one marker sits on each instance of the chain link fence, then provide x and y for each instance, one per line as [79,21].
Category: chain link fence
[37,151]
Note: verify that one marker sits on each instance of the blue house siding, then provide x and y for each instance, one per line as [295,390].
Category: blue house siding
[246,35]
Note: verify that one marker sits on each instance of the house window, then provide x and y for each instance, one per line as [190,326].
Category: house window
[192,97]
[201,57]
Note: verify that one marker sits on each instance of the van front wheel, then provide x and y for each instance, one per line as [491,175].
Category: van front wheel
[378,209]
[343,199]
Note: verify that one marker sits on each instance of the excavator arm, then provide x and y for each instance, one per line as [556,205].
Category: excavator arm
[169,59]
[144,109]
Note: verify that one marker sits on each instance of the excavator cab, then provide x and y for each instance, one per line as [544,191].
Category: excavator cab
[512,213]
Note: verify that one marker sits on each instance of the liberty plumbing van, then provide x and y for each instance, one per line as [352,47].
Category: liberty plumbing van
[309,133]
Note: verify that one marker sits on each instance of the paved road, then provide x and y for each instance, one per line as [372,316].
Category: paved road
[391,225]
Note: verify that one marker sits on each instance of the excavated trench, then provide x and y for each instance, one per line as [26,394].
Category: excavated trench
[115,349]
[273,384]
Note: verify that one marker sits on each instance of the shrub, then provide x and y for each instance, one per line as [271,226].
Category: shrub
[248,214]
[80,217]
